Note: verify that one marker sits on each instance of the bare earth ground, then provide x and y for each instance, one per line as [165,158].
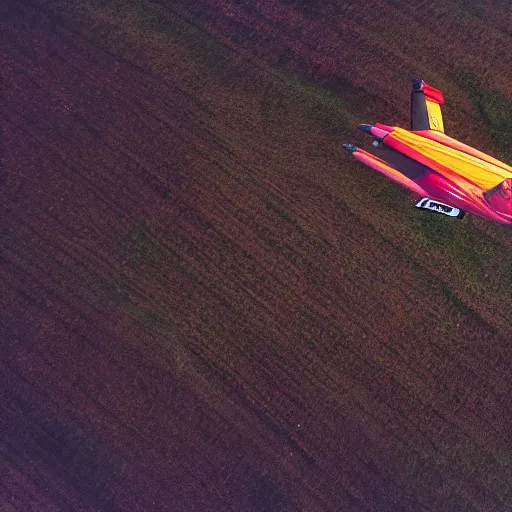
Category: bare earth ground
[205,304]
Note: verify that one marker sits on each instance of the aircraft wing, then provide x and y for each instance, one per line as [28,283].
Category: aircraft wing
[407,166]
[426,107]
[373,159]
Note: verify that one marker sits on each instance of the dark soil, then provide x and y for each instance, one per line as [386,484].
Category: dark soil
[205,304]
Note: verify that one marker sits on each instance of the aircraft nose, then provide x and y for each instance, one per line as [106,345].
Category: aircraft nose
[367,128]
[373,130]
[350,148]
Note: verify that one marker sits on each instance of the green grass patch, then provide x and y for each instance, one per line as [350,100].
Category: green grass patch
[451,298]
[129,26]
[483,263]
[451,243]
[282,214]
[143,31]
[463,10]
[297,109]
[149,316]
[135,248]
[493,110]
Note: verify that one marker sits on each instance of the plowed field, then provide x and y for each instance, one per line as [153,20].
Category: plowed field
[205,304]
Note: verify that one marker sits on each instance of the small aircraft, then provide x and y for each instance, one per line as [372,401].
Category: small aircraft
[451,177]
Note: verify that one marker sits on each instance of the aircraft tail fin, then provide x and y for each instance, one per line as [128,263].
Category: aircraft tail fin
[426,107]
